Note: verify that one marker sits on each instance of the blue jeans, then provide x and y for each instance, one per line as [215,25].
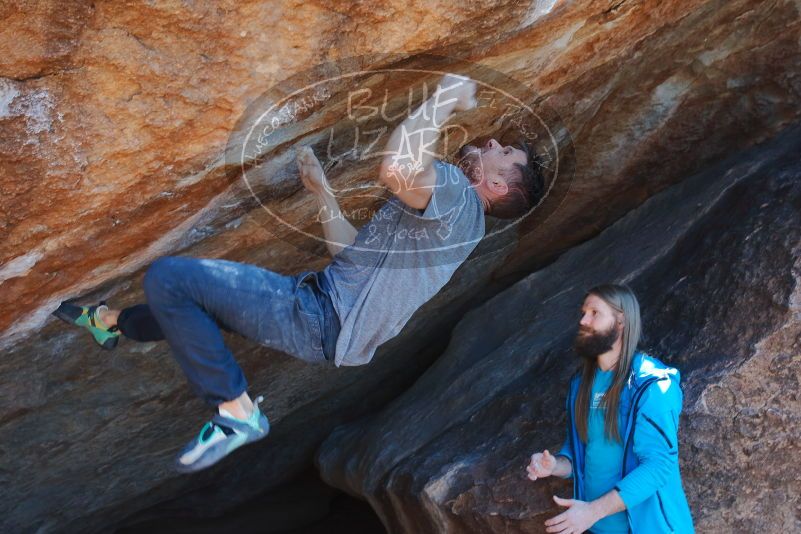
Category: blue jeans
[192,298]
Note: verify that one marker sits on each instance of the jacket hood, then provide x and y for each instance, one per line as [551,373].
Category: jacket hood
[644,367]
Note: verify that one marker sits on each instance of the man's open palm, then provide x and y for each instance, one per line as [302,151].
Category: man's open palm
[542,465]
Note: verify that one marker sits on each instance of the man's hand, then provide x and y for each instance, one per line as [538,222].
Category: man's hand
[578,517]
[462,88]
[542,465]
[311,172]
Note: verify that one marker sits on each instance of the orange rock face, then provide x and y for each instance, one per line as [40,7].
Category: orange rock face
[115,118]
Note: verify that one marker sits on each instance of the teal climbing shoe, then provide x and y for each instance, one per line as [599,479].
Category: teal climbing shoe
[88,317]
[220,437]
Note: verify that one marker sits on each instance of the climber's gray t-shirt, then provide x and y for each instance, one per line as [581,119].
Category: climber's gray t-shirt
[399,260]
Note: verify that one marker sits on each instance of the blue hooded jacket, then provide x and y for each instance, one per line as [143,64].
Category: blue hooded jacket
[648,419]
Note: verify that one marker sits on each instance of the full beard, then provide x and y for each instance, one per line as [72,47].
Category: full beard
[470,163]
[590,346]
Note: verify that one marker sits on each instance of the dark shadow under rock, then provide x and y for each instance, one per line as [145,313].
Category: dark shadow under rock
[303,506]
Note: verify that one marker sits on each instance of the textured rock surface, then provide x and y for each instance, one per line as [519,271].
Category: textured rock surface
[114,121]
[117,115]
[715,261]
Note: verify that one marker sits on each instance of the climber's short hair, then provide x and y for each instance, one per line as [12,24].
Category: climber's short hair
[526,185]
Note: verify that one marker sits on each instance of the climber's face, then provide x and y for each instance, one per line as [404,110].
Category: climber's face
[490,167]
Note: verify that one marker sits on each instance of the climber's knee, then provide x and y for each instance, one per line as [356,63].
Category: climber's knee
[160,277]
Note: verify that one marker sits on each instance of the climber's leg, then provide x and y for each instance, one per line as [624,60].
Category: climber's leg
[137,323]
[189,296]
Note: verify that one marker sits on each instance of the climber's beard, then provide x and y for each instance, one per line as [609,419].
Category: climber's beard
[470,163]
[589,343]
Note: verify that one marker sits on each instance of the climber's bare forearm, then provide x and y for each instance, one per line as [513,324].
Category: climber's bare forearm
[413,145]
[339,233]
[417,136]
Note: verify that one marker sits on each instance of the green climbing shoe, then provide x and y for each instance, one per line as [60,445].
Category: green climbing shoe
[88,317]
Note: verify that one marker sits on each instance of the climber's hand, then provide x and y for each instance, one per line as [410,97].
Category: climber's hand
[311,172]
[460,87]
[542,465]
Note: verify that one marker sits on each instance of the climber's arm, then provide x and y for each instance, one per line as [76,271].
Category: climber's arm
[407,167]
[339,233]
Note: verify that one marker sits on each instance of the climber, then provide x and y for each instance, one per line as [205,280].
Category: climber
[622,437]
[377,279]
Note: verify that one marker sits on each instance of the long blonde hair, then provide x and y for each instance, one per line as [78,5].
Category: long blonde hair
[621,299]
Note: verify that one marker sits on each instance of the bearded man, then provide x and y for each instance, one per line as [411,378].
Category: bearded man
[622,438]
